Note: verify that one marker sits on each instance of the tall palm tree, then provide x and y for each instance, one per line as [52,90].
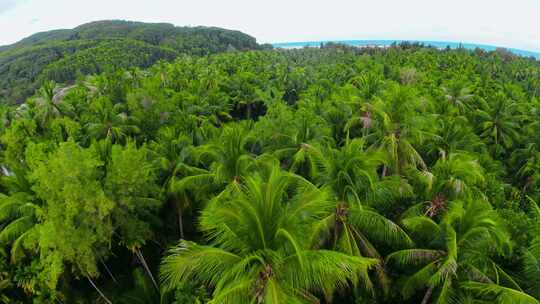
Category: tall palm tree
[47,108]
[453,135]
[454,176]
[369,84]
[257,249]
[19,214]
[174,154]
[354,227]
[458,96]
[223,160]
[531,256]
[397,127]
[459,254]
[499,123]
[109,121]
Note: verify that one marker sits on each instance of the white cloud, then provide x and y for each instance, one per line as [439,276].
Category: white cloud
[6,5]
[495,22]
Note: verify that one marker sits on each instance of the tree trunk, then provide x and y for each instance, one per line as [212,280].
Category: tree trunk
[109,271]
[384,171]
[99,291]
[427,296]
[180,220]
[248,111]
[146,268]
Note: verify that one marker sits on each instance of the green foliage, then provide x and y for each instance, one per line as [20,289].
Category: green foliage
[63,55]
[333,175]
[76,227]
[257,251]
[130,182]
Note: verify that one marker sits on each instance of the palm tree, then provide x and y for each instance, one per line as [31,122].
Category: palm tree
[454,176]
[108,121]
[499,123]
[458,95]
[257,248]
[302,158]
[20,212]
[351,172]
[174,154]
[224,160]
[453,134]
[397,127]
[459,253]
[369,85]
[354,226]
[495,293]
[531,256]
[18,219]
[528,162]
[47,108]
[215,167]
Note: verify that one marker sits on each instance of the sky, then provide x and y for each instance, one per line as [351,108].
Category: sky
[513,23]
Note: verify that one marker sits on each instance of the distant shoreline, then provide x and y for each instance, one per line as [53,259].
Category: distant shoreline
[387,43]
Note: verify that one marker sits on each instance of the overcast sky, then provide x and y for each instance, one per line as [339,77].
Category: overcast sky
[513,23]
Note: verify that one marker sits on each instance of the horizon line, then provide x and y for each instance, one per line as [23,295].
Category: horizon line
[411,40]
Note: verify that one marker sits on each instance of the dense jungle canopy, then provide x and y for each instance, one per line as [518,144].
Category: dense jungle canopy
[240,174]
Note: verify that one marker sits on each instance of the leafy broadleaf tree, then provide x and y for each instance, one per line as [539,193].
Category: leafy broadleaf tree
[77,227]
[130,183]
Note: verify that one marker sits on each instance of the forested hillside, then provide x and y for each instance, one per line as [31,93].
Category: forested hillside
[63,55]
[329,175]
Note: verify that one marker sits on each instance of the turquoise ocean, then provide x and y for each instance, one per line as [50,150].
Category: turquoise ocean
[384,43]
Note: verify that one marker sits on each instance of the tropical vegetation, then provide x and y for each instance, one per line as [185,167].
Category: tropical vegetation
[322,175]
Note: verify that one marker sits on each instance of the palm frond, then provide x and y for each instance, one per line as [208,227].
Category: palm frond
[422,226]
[327,271]
[408,257]
[379,227]
[16,228]
[190,261]
[499,294]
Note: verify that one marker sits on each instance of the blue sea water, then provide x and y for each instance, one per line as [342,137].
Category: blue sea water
[383,43]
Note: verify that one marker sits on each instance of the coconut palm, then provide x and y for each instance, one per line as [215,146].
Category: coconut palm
[495,293]
[19,214]
[453,134]
[223,160]
[454,176]
[354,227]
[397,127]
[174,154]
[528,162]
[220,166]
[257,250]
[499,123]
[531,256]
[369,84]
[458,95]
[109,121]
[47,108]
[461,249]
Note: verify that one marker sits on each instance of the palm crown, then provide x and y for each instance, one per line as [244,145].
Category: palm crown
[257,246]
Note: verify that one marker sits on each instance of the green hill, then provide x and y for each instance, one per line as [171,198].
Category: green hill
[63,54]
